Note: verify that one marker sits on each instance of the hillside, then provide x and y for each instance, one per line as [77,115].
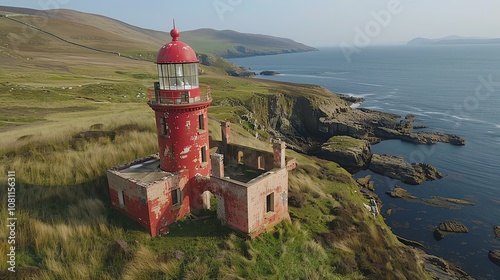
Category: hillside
[52,92]
[112,35]
[230,44]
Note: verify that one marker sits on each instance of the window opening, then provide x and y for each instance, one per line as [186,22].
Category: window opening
[270,203]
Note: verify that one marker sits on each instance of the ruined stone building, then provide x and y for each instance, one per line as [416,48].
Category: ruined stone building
[250,186]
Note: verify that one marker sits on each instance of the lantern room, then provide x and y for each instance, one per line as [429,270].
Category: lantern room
[177,73]
[178,76]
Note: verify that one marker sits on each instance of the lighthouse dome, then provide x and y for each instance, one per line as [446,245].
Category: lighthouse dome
[176,51]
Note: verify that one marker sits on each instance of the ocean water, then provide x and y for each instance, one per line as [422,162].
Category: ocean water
[454,89]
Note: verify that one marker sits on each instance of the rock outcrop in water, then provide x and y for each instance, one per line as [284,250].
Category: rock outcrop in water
[352,154]
[269,73]
[397,168]
[494,256]
[435,201]
[427,138]
[455,227]
[449,227]
[399,192]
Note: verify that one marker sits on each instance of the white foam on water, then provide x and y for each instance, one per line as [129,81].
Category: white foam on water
[334,73]
[311,76]
[355,105]
[367,84]
[373,108]
[358,95]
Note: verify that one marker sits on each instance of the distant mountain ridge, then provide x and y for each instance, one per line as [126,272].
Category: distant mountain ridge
[121,36]
[229,43]
[454,40]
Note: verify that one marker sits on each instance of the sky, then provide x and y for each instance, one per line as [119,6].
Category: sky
[317,23]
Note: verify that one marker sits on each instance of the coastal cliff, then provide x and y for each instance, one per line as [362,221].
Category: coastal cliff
[314,121]
[308,116]
[301,112]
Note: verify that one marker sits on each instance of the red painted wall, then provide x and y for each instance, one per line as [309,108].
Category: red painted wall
[135,202]
[159,196]
[235,198]
[181,147]
[276,183]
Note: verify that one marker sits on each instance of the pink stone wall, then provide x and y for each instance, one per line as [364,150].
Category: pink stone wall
[250,157]
[235,197]
[276,183]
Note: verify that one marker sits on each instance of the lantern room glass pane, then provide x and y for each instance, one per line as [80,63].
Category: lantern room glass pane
[178,76]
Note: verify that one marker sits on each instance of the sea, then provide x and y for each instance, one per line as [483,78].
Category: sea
[450,88]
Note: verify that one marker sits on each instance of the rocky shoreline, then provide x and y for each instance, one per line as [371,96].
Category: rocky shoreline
[494,256]
[348,133]
[361,128]
[320,123]
[437,267]
[376,126]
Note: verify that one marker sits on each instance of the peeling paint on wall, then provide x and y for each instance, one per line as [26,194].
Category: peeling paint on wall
[221,210]
[186,150]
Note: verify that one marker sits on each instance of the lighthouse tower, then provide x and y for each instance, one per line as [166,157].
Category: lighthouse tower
[181,112]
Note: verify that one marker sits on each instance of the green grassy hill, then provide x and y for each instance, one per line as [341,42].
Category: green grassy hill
[228,43]
[113,35]
[66,228]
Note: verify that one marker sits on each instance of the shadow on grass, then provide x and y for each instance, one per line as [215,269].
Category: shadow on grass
[53,205]
[203,224]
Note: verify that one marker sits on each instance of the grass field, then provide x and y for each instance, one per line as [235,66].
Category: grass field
[67,229]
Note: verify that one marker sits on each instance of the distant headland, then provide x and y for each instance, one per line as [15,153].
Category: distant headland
[454,40]
[233,44]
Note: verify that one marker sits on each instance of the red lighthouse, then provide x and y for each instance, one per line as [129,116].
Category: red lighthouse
[250,193]
[181,110]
